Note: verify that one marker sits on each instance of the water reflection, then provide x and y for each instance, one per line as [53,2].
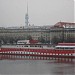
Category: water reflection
[18,65]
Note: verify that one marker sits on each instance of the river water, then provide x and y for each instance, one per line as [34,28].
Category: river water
[37,67]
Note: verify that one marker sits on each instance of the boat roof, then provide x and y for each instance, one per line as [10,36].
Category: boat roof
[66,44]
[33,44]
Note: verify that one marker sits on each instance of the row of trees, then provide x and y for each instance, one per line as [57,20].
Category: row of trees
[54,40]
[10,39]
[13,40]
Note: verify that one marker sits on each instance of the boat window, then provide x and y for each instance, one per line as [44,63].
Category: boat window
[39,45]
[57,48]
[71,48]
[61,48]
[35,46]
[66,48]
[26,46]
[31,46]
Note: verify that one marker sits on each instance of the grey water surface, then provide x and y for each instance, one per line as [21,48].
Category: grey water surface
[36,67]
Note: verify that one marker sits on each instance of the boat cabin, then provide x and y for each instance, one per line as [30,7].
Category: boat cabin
[65,46]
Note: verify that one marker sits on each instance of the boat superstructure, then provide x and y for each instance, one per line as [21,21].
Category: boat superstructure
[38,49]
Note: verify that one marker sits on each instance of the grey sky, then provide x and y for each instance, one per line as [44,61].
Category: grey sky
[41,12]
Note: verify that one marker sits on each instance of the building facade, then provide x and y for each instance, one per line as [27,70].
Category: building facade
[58,31]
[35,33]
[65,31]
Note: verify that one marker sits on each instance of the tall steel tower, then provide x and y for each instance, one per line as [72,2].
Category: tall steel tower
[26,17]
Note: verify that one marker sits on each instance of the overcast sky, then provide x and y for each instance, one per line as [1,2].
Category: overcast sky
[41,12]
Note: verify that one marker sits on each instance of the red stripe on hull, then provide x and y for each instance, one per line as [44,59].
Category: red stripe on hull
[38,50]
